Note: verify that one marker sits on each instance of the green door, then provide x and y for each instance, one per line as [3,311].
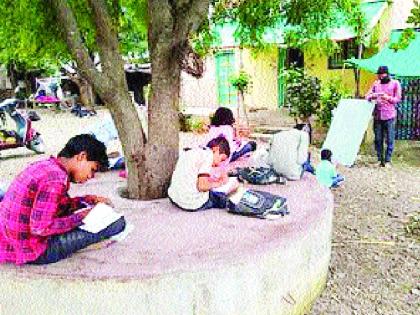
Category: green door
[225,68]
[281,61]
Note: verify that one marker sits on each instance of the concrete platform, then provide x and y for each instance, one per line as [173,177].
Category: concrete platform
[178,262]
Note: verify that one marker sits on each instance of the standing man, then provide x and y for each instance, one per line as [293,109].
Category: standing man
[387,93]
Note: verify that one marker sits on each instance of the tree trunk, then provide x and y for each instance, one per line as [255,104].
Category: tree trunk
[163,135]
[28,89]
[131,136]
[87,97]
[150,165]
[12,73]
[357,71]
[242,110]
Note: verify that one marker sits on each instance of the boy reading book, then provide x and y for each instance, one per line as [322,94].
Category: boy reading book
[38,219]
[192,187]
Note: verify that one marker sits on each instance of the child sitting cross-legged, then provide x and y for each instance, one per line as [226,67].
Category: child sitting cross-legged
[38,220]
[222,124]
[325,171]
[191,187]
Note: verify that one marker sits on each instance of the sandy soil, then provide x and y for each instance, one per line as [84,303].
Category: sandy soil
[374,266]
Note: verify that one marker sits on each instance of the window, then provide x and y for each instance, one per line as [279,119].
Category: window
[348,49]
[295,58]
[225,69]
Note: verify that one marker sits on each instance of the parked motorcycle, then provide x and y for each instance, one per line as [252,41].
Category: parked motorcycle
[23,135]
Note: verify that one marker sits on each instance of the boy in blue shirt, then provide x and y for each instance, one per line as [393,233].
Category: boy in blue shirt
[325,171]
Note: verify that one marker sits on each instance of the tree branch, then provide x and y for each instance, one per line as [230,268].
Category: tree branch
[75,43]
[190,17]
[191,13]
[198,13]
[107,40]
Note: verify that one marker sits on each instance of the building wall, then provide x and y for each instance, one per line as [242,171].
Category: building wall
[199,96]
[385,26]
[400,12]
[318,66]
[199,93]
[262,68]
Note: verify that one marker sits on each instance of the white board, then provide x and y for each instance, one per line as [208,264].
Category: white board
[349,124]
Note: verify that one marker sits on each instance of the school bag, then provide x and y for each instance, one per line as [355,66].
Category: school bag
[258,204]
[258,175]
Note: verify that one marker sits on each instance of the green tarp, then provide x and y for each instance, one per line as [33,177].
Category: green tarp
[401,63]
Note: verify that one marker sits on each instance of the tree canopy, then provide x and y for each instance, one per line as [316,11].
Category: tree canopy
[305,19]
[31,37]
[45,33]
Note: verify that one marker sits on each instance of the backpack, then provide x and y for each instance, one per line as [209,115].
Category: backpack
[258,175]
[258,204]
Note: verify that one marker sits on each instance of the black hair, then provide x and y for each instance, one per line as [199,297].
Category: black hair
[326,155]
[95,149]
[382,70]
[307,128]
[222,116]
[220,142]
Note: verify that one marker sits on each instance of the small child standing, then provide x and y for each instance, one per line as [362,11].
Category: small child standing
[222,124]
[325,171]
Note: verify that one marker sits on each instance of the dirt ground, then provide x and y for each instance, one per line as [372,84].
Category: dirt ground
[375,264]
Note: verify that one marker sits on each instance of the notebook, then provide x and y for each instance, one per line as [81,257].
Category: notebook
[99,218]
[229,187]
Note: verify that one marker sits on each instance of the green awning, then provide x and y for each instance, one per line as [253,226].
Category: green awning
[371,9]
[401,63]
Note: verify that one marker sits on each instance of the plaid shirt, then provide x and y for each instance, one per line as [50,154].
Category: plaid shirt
[35,207]
[385,110]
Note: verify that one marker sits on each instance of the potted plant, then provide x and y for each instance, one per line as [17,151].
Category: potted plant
[241,82]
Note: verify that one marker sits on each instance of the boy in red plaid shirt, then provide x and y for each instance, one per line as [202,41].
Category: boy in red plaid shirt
[38,223]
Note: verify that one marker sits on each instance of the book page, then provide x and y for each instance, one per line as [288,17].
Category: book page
[229,187]
[99,218]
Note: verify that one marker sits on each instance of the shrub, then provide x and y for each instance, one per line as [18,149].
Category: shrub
[198,125]
[302,93]
[184,122]
[331,93]
[241,82]
[189,123]
[413,226]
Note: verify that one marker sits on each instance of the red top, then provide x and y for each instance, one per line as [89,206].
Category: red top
[35,207]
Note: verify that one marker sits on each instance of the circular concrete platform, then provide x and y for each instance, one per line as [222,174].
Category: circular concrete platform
[176,262]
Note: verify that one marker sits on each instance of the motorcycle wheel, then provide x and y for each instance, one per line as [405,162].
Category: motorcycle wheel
[36,144]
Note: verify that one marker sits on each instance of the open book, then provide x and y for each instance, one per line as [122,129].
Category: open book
[99,218]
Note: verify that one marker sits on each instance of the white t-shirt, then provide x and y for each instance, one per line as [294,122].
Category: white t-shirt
[183,188]
[289,150]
